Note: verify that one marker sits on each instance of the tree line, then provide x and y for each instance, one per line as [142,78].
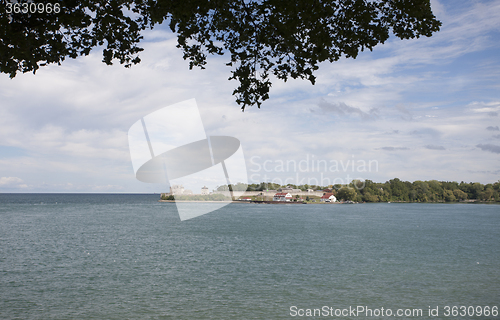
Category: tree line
[396,190]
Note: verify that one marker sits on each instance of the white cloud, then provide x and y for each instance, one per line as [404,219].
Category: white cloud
[12,182]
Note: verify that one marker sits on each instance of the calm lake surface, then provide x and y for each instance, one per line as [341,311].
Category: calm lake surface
[70,256]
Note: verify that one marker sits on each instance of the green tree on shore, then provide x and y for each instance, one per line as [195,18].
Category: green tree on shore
[397,190]
[347,194]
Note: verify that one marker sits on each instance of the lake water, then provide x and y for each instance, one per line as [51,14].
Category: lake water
[130,257]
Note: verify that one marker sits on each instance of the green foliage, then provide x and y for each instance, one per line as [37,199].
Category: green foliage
[421,191]
[449,196]
[30,40]
[396,190]
[165,197]
[262,38]
[233,187]
[368,197]
[347,193]
[399,189]
[263,186]
[459,194]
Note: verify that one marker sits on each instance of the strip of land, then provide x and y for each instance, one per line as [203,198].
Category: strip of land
[394,190]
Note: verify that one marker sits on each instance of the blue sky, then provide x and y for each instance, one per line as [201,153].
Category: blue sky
[419,109]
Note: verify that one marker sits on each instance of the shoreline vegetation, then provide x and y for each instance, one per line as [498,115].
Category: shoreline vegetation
[394,190]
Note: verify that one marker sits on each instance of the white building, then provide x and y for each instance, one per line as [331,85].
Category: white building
[179,189]
[328,197]
[282,196]
[204,190]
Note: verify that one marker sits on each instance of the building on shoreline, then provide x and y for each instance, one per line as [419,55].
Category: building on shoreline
[328,197]
[204,190]
[269,194]
[282,196]
[265,194]
[179,189]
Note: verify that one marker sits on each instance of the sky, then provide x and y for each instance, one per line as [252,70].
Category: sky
[420,109]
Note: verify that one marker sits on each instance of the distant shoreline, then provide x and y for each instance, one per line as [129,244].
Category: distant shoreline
[323,203]
[258,202]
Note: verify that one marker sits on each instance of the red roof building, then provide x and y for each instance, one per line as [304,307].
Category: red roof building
[282,196]
[328,197]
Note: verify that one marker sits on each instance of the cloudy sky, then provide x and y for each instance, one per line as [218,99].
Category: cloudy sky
[418,109]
